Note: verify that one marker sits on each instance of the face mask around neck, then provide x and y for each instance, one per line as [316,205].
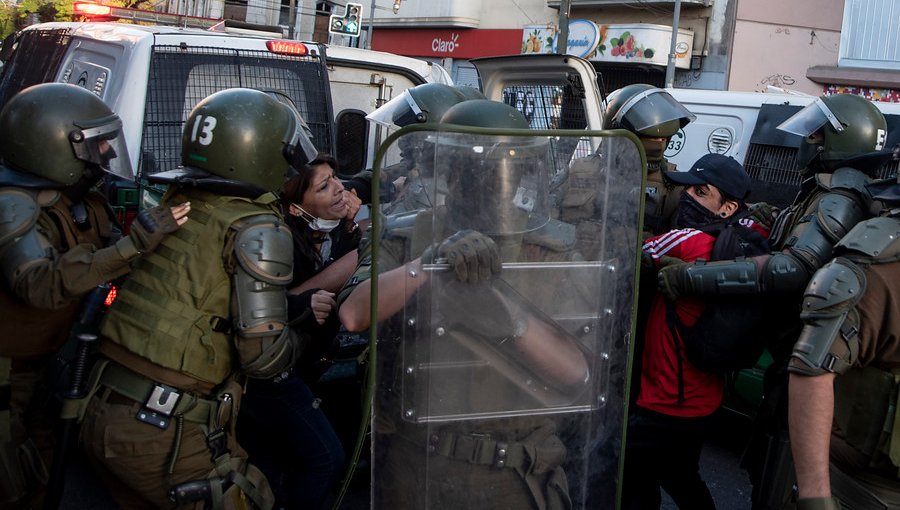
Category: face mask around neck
[318,224]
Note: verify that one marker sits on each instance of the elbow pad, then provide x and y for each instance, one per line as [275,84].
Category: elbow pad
[264,251]
[829,341]
[784,273]
[20,243]
[835,215]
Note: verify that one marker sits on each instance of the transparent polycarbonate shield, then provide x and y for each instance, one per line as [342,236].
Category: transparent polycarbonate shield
[512,387]
[808,120]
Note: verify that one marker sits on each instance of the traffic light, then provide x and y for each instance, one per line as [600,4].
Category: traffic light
[348,24]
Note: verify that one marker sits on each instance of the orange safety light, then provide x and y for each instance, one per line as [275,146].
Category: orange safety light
[297,49]
[111,295]
[91,9]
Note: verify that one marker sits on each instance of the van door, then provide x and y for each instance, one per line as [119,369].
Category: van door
[552,92]
[357,89]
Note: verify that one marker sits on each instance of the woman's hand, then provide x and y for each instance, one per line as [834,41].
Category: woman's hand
[322,303]
[353,204]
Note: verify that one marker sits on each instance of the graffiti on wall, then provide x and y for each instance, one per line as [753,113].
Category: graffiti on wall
[775,80]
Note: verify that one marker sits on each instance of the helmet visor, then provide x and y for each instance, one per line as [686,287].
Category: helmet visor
[298,145]
[400,111]
[808,120]
[651,108]
[496,185]
[101,143]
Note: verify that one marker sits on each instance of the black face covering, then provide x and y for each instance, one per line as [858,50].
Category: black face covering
[693,215]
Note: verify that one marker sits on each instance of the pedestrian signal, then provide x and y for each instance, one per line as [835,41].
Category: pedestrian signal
[348,24]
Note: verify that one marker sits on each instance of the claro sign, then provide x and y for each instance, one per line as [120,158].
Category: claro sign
[469,43]
[439,45]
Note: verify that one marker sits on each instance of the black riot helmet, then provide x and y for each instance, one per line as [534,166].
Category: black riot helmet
[245,136]
[496,183]
[62,134]
[649,112]
[837,128]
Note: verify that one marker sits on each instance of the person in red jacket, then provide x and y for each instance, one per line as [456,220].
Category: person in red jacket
[676,400]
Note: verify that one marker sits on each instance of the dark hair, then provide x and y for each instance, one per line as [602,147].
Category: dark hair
[292,192]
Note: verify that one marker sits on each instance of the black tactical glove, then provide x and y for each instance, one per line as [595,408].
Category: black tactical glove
[763,213]
[672,279]
[472,255]
[148,230]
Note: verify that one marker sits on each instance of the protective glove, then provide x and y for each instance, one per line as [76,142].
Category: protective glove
[647,261]
[763,213]
[672,278]
[831,503]
[472,255]
[149,228]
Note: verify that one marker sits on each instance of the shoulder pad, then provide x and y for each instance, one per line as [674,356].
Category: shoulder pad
[18,213]
[877,238]
[554,235]
[850,179]
[264,248]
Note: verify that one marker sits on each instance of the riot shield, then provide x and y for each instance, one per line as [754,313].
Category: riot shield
[509,390]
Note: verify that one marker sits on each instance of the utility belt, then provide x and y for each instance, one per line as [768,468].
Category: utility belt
[479,449]
[537,459]
[160,402]
[230,478]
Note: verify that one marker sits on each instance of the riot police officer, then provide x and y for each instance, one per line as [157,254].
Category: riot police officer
[412,178]
[843,382]
[484,396]
[654,116]
[842,149]
[58,240]
[211,302]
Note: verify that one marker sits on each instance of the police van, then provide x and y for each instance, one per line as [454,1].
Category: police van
[152,76]
[743,125]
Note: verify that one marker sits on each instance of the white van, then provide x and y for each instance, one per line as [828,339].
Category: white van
[151,76]
[743,125]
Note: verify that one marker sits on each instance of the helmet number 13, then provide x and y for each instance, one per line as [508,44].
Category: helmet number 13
[202,130]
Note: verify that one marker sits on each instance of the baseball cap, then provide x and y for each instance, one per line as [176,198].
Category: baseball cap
[723,172]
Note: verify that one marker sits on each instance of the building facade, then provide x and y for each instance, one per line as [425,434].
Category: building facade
[809,46]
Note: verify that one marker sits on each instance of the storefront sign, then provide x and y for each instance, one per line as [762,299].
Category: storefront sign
[644,44]
[584,36]
[463,43]
[639,43]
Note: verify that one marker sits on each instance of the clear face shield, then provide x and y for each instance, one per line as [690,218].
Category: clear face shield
[495,185]
[100,142]
[298,146]
[808,124]
[400,111]
[656,107]
[812,117]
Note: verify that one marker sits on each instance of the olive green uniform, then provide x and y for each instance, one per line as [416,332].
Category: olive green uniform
[39,307]
[171,327]
[852,321]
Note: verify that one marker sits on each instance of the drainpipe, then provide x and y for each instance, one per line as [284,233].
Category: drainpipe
[670,66]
